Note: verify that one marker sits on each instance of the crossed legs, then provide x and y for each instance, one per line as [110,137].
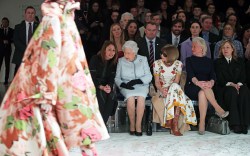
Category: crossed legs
[204,96]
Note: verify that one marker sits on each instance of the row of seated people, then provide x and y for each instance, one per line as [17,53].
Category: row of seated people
[132,75]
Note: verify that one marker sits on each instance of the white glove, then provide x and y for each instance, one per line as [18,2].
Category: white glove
[46,107]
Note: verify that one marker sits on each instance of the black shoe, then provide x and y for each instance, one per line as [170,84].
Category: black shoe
[149,129]
[244,129]
[132,132]
[237,129]
[138,133]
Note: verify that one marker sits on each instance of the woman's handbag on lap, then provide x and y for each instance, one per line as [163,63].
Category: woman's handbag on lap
[218,125]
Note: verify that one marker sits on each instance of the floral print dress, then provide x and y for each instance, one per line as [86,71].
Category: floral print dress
[54,71]
[175,97]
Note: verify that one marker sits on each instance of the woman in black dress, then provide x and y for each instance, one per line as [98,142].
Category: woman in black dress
[231,87]
[200,81]
[102,68]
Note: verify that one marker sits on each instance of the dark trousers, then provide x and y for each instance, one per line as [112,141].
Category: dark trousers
[238,105]
[6,56]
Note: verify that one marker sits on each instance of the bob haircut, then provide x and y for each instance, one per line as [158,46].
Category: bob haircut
[202,43]
[234,54]
[171,52]
[102,52]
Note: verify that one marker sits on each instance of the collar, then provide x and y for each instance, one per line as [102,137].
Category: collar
[27,23]
[150,40]
[173,35]
[228,59]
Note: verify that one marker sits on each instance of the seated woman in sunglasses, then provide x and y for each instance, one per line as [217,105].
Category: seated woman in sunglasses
[167,73]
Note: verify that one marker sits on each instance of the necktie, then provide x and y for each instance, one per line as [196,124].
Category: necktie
[176,42]
[30,32]
[151,54]
[5,31]
[229,61]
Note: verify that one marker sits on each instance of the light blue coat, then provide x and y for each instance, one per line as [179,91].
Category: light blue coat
[138,69]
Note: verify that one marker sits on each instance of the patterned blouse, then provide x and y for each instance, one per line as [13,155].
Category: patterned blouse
[165,73]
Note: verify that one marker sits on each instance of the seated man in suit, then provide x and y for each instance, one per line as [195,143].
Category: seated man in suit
[6,36]
[150,46]
[175,36]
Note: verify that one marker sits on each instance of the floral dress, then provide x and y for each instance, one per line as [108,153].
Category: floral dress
[54,71]
[176,96]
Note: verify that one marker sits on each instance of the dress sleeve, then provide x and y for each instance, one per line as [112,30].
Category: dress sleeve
[156,67]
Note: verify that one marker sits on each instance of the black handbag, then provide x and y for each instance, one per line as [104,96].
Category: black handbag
[218,125]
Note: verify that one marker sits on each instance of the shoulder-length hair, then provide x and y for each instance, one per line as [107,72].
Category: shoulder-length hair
[171,52]
[102,52]
[111,38]
[234,53]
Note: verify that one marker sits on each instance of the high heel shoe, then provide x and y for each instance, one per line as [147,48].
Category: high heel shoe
[132,132]
[201,132]
[225,114]
[138,133]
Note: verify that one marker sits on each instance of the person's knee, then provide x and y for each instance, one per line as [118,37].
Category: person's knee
[201,94]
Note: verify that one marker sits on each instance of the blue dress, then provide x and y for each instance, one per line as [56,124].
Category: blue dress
[201,68]
[137,69]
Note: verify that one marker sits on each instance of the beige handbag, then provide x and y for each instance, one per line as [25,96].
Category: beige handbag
[158,108]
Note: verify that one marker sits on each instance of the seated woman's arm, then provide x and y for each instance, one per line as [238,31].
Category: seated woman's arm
[118,79]
[147,77]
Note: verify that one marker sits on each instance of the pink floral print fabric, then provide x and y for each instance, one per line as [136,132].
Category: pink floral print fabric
[54,71]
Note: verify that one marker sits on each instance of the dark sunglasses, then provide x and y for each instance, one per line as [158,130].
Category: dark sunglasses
[164,54]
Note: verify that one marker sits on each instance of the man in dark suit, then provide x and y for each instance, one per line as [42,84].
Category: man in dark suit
[207,23]
[149,44]
[175,37]
[6,37]
[144,44]
[22,35]
[162,31]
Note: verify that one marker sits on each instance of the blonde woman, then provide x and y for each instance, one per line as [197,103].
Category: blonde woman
[200,81]
[231,87]
[117,36]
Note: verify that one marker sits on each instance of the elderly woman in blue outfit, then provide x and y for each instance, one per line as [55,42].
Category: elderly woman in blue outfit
[133,77]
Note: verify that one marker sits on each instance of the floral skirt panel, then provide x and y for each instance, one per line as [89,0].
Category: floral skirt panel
[53,72]
[177,98]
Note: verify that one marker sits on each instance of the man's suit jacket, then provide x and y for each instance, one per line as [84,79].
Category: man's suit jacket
[233,72]
[169,39]
[9,38]
[163,33]
[143,47]
[19,40]
[182,39]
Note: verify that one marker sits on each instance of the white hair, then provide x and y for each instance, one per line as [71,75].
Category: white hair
[132,45]
[202,43]
[127,14]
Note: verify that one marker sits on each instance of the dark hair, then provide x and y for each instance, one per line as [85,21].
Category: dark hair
[126,35]
[177,21]
[30,7]
[196,21]
[102,52]
[6,19]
